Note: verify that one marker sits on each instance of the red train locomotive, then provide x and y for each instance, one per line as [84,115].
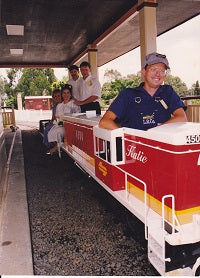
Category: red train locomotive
[156,175]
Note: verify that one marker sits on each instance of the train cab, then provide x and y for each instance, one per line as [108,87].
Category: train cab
[155,174]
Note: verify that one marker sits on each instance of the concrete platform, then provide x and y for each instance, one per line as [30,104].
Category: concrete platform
[15,239]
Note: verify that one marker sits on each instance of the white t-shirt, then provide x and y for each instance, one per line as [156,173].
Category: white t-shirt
[75,91]
[66,108]
[89,87]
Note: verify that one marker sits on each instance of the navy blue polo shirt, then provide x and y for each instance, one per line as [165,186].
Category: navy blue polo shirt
[136,108]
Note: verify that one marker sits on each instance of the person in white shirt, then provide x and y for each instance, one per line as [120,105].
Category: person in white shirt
[89,90]
[74,72]
[68,106]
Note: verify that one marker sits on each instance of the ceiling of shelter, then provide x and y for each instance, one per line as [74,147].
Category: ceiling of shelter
[56,32]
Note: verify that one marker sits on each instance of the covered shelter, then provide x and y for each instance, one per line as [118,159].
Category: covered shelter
[59,33]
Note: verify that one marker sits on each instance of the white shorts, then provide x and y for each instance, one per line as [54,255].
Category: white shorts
[56,134]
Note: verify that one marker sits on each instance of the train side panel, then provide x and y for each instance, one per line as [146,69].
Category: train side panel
[155,174]
[79,141]
[165,170]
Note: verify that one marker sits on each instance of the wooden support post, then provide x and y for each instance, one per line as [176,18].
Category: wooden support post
[148,26]
[92,59]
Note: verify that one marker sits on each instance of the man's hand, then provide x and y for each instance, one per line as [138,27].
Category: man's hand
[107,121]
[78,102]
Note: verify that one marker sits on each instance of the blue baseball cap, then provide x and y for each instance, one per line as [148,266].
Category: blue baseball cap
[154,58]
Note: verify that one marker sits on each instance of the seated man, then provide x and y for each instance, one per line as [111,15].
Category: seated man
[89,90]
[148,105]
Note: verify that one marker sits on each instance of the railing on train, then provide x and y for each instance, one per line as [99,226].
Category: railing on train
[193,110]
[8,114]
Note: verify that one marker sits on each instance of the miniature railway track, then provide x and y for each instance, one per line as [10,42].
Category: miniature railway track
[77,228]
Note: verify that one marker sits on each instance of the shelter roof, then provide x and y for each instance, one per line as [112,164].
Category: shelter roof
[57,33]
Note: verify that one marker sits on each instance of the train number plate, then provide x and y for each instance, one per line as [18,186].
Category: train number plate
[192,139]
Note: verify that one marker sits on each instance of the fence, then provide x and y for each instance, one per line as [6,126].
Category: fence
[31,117]
[193,110]
[15,117]
[193,113]
[8,115]
[11,116]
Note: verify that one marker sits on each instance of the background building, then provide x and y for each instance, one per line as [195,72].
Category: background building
[38,102]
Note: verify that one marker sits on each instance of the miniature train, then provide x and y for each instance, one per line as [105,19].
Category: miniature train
[155,174]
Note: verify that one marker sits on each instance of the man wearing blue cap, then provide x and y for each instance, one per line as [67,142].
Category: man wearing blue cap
[148,105]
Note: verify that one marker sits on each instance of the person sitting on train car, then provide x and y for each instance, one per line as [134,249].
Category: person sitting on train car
[56,133]
[148,105]
[74,72]
[89,90]
[56,98]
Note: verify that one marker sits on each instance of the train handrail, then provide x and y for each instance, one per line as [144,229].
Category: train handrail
[145,196]
[163,221]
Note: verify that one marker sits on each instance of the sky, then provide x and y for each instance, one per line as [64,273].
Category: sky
[181,45]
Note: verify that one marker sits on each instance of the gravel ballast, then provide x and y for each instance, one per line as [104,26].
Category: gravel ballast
[78,228]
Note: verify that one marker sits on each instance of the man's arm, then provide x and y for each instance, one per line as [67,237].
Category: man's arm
[178,116]
[107,121]
[85,101]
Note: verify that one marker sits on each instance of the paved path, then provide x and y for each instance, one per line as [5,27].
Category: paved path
[15,250]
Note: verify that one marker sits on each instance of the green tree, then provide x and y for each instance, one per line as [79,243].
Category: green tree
[179,86]
[112,74]
[197,88]
[58,84]
[107,93]
[13,75]
[111,89]
[3,95]
[12,100]
[36,82]
[33,81]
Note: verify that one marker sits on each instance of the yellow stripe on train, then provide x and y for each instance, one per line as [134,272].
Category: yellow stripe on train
[84,155]
[183,216]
